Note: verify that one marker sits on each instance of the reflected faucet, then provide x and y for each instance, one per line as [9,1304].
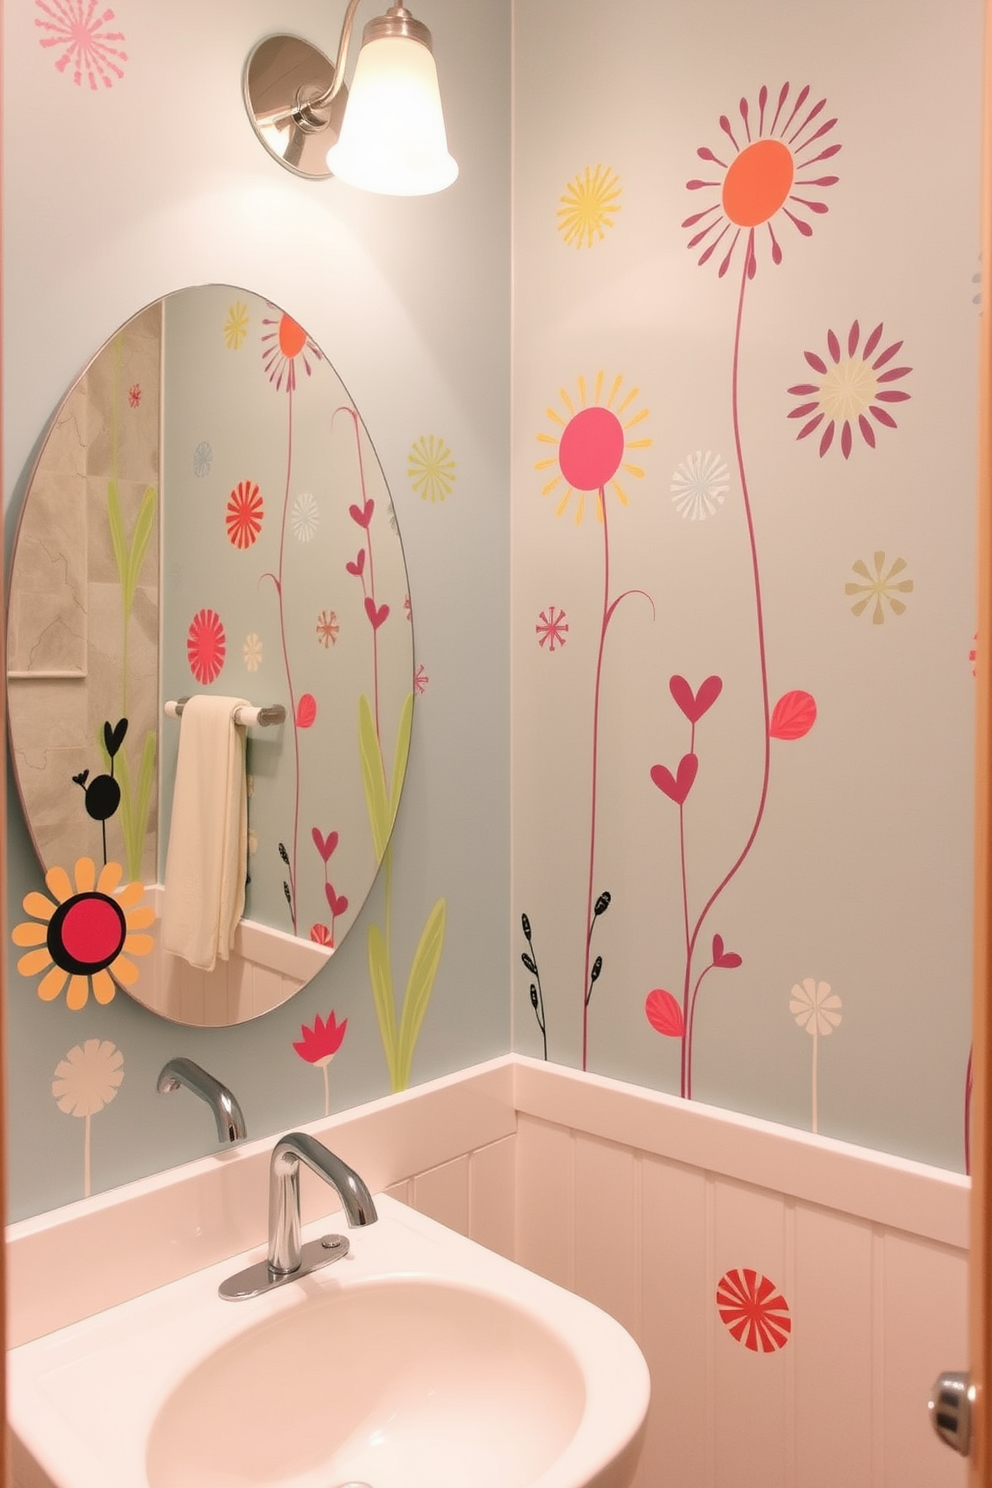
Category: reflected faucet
[227,1112]
[287,1259]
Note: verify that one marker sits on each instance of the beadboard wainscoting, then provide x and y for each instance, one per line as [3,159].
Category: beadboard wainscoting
[794,1296]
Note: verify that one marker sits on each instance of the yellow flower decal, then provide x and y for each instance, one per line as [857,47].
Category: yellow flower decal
[80,935]
[431,468]
[591,444]
[236,326]
[588,207]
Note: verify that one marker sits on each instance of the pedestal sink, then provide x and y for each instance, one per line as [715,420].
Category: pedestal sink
[420,1360]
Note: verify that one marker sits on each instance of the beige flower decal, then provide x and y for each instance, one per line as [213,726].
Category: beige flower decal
[817,1009]
[86,1080]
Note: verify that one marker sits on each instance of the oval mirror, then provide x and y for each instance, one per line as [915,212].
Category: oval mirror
[207,515]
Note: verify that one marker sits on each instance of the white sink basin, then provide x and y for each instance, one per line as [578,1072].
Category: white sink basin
[420,1360]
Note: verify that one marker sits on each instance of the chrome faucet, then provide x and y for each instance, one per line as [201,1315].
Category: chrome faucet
[287,1259]
[227,1112]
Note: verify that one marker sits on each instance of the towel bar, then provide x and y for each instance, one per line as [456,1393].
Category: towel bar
[249,717]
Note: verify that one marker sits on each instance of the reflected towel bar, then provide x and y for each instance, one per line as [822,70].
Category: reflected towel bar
[249,717]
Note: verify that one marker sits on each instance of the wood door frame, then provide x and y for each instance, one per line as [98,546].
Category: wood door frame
[980,1323]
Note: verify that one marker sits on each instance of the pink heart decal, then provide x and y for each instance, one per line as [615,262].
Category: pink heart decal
[676,787]
[695,704]
[362,514]
[727,959]
[376,616]
[358,567]
[336,904]
[324,845]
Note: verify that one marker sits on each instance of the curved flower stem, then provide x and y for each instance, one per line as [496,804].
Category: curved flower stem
[685,1076]
[285,656]
[814,1122]
[609,610]
[968,1080]
[371,589]
[759,615]
[327,1090]
[690,1020]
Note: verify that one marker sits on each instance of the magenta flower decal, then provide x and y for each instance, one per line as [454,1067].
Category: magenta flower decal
[754,1311]
[552,628]
[206,646]
[769,171]
[87,49]
[853,384]
[319,1045]
[244,514]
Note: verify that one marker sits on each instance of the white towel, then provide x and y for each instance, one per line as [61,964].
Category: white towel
[208,835]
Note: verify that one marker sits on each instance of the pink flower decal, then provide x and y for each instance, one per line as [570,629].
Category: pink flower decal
[87,48]
[306,711]
[420,680]
[663,1013]
[552,628]
[322,936]
[244,514]
[753,1310]
[676,787]
[206,646]
[852,385]
[772,151]
[134,395]
[695,704]
[320,1043]
[793,716]
[324,845]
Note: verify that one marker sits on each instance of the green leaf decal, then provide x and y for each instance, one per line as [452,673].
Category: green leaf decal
[382,995]
[401,757]
[373,778]
[419,987]
[116,523]
[144,526]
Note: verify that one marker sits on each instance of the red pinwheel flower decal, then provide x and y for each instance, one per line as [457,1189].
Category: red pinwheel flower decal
[852,385]
[244,514]
[754,1311]
[283,347]
[206,646]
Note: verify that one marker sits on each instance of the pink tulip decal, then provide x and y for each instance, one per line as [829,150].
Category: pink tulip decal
[676,786]
[324,845]
[306,711]
[664,1014]
[319,1045]
[793,716]
[695,704]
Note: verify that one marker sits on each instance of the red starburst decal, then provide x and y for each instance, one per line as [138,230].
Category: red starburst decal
[552,628]
[244,514]
[754,1311]
[88,49]
[206,646]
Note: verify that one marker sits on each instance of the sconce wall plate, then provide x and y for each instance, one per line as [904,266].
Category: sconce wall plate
[281,76]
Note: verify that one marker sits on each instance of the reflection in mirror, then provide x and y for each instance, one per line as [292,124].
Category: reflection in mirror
[207,515]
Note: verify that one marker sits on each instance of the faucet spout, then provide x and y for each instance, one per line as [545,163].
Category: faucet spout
[284,1196]
[227,1112]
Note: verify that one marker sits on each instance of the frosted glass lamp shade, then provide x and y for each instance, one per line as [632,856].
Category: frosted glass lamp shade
[392,139]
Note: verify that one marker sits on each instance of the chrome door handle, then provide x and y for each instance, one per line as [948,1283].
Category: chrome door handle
[950,1403]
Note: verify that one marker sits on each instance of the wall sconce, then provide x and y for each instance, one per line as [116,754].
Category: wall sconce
[387,136]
